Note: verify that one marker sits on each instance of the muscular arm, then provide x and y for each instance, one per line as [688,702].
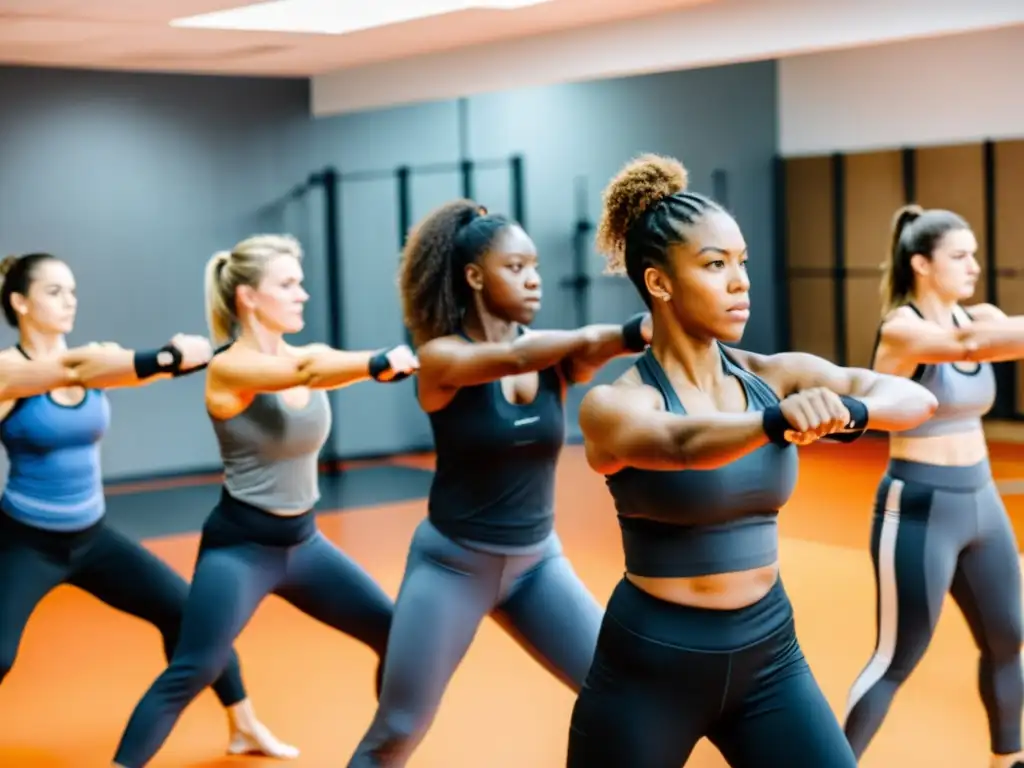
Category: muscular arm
[246,371]
[604,342]
[992,336]
[623,426]
[894,403]
[451,363]
[329,368]
[20,377]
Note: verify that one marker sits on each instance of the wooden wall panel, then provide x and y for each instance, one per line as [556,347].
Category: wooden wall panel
[810,227]
[873,191]
[1009,237]
[954,178]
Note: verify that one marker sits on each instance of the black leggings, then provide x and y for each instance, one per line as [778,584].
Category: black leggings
[112,568]
[246,554]
[666,675]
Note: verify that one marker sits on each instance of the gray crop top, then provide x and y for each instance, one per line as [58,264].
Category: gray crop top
[684,523]
[964,396]
[271,451]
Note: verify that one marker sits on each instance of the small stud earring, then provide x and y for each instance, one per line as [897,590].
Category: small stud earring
[666,297]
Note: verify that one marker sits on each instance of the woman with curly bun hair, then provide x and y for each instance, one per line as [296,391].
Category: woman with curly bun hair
[698,446]
[494,393]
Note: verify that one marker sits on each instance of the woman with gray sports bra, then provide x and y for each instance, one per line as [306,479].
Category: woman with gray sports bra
[698,446]
[939,523]
[271,418]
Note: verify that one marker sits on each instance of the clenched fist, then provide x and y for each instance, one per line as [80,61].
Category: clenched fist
[813,414]
[195,350]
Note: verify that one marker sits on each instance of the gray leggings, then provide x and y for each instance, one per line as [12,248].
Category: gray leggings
[940,530]
[246,554]
[447,591]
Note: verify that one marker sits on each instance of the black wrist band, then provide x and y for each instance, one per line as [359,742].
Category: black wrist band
[632,335]
[775,425]
[379,364]
[858,423]
[205,365]
[167,359]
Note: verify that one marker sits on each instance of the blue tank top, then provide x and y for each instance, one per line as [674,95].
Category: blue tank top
[699,522]
[495,477]
[55,481]
[964,396]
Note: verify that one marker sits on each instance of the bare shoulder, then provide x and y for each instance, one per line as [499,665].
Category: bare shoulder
[786,372]
[984,312]
[625,395]
[772,368]
[307,350]
[10,354]
[441,349]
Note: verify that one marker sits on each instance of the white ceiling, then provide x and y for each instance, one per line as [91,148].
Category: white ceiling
[135,35]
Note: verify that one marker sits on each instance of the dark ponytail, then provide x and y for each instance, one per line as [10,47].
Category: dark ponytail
[432,280]
[914,231]
[17,274]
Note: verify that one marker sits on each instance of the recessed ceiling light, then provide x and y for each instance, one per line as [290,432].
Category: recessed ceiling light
[336,17]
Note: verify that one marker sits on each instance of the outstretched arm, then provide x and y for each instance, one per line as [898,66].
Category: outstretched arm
[876,401]
[605,342]
[108,366]
[20,377]
[992,336]
[452,363]
[317,366]
[327,368]
[623,426]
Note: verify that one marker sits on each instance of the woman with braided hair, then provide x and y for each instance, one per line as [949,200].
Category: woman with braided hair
[494,392]
[698,445]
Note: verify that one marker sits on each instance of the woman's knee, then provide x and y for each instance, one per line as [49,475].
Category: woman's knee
[188,674]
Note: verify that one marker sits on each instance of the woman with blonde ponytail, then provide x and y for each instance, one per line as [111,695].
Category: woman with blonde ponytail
[698,443]
[939,522]
[271,415]
[53,529]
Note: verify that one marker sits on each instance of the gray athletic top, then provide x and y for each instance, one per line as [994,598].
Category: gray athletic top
[964,396]
[271,451]
[698,522]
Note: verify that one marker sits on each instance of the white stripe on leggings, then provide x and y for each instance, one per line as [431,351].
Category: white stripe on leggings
[888,603]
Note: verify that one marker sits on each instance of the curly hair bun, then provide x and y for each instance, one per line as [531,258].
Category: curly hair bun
[641,183]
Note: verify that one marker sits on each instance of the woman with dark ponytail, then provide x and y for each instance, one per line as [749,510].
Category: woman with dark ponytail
[494,392]
[939,523]
[698,446]
[53,530]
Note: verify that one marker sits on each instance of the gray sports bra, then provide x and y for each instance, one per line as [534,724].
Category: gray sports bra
[699,522]
[964,395]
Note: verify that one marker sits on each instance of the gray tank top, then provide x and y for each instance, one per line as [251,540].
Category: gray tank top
[964,395]
[271,451]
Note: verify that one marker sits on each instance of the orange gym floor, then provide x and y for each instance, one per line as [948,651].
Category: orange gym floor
[82,666]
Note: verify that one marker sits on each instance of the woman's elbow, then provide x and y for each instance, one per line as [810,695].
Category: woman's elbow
[919,406]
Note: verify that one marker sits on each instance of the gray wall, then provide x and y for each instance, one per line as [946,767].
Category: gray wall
[137,179]
[722,118]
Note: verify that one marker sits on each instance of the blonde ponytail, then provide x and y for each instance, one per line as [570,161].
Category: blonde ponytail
[242,265]
[220,313]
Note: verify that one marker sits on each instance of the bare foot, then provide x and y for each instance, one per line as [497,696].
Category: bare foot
[258,740]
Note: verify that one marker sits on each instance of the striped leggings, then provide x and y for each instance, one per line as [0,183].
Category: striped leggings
[938,531]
